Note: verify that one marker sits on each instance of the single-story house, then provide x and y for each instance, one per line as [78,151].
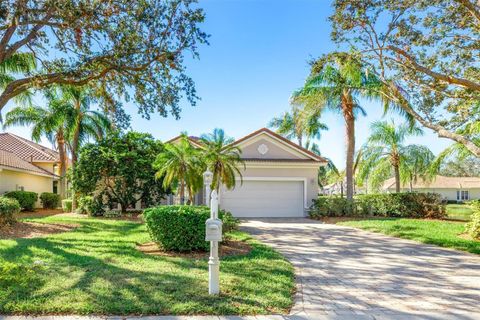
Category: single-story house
[450,188]
[280,178]
[26,165]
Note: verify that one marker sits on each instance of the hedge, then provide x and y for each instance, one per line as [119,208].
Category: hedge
[67,205]
[182,228]
[89,205]
[472,228]
[8,208]
[50,200]
[26,199]
[404,205]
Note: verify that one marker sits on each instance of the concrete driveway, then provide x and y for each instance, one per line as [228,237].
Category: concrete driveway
[348,273]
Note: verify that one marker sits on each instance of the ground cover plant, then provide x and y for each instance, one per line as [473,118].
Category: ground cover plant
[97,269]
[459,211]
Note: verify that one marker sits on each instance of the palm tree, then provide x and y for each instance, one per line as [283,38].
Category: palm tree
[222,158]
[180,163]
[18,63]
[385,152]
[417,163]
[297,124]
[52,121]
[337,82]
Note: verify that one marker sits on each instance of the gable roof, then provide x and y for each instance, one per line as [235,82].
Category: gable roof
[440,182]
[283,140]
[193,139]
[26,149]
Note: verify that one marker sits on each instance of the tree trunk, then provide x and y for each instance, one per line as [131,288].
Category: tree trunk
[182,192]
[63,163]
[347,106]
[75,145]
[300,141]
[397,177]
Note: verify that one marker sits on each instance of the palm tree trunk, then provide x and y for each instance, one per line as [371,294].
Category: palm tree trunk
[397,177]
[182,192]
[75,145]
[300,140]
[63,163]
[350,143]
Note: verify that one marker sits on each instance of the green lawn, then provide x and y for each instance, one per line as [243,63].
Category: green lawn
[440,233]
[96,269]
[459,211]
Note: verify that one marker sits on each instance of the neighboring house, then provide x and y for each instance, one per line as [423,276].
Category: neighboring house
[279,179]
[26,165]
[450,188]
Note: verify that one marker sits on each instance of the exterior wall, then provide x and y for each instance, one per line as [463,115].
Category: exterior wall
[250,150]
[446,193]
[48,166]
[310,174]
[11,180]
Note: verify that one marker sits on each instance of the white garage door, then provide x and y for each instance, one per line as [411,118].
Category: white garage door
[264,199]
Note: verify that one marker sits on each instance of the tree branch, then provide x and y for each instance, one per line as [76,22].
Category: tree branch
[439,76]
[471,8]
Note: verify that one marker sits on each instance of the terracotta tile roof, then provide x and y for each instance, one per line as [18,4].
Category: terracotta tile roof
[439,182]
[11,160]
[27,150]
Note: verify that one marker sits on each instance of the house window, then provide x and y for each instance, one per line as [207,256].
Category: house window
[55,186]
[462,195]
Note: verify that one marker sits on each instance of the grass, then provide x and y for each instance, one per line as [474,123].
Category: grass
[459,212]
[437,232]
[96,269]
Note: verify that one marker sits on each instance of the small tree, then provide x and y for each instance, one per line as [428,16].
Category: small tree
[119,169]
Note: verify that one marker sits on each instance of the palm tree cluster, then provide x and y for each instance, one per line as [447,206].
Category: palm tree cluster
[182,164]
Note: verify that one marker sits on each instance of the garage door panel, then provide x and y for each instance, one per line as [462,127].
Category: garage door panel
[265,199]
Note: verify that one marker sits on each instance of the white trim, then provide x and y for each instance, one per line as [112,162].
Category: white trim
[301,179]
[54,177]
[283,165]
[283,144]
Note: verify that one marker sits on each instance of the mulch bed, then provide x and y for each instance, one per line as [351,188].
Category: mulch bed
[33,230]
[227,248]
[38,213]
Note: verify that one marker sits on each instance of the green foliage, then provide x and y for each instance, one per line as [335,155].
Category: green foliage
[405,205]
[8,208]
[67,205]
[123,167]
[50,200]
[90,205]
[26,199]
[141,55]
[112,214]
[182,228]
[473,227]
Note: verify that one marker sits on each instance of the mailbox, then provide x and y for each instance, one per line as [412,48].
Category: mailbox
[213,230]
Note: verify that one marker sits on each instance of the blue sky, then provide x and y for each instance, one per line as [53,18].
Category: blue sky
[258,54]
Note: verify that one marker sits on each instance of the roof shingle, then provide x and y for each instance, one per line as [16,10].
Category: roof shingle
[27,150]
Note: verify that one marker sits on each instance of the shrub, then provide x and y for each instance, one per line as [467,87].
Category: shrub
[182,228]
[67,205]
[473,227]
[330,206]
[8,207]
[112,214]
[405,205]
[50,200]
[26,199]
[90,205]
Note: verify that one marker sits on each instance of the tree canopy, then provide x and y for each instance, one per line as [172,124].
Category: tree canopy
[428,51]
[131,49]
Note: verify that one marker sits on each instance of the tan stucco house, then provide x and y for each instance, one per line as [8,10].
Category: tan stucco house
[450,188]
[26,165]
[280,178]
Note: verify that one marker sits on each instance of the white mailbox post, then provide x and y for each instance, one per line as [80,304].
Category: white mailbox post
[213,233]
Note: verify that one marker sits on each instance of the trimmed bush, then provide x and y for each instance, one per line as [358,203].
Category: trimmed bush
[404,205]
[26,199]
[50,200]
[182,228]
[8,208]
[91,206]
[473,227]
[67,205]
